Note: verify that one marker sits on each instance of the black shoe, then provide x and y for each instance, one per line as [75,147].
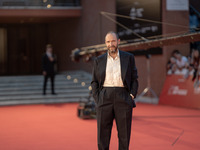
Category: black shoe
[53,93]
[44,93]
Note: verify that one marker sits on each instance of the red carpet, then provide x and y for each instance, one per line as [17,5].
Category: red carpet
[56,127]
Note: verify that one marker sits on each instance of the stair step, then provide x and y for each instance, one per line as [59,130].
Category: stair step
[38,92]
[15,90]
[32,97]
[43,101]
[61,84]
[39,88]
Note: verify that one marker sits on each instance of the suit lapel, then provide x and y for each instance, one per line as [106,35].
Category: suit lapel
[124,64]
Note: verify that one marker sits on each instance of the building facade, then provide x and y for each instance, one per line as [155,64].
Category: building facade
[27,26]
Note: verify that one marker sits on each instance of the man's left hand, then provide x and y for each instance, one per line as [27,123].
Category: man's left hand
[132,96]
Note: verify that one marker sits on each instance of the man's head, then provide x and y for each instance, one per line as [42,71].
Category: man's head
[49,48]
[173,60]
[195,53]
[177,54]
[112,41]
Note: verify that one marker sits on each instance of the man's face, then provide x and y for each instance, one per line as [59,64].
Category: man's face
[196,53]
[112,43]
[49,50]
[173,60]
[178,56]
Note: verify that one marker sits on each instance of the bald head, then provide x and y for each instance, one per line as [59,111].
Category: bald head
[112,42]
[112,33]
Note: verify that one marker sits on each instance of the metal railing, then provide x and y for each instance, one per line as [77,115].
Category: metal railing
[40,3]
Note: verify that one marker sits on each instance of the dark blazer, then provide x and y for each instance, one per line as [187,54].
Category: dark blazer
[128,73]
[48,65]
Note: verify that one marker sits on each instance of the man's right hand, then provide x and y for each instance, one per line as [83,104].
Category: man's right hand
[51,59]
[44,73]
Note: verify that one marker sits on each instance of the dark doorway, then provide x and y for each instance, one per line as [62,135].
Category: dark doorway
[25,46]
[3,50]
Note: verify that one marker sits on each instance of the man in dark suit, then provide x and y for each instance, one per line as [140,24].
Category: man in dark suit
[114,87]
[48,62]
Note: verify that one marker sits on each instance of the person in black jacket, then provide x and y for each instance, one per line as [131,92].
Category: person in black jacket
[48,65]
[114,88]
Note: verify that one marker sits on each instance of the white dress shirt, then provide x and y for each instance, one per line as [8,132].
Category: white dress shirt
[113,72]
[49,54]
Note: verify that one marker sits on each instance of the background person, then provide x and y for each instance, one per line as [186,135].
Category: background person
[48,66]
[171,66]
[195,63]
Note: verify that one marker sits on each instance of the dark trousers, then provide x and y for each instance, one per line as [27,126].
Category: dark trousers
[51,76]
[114,103]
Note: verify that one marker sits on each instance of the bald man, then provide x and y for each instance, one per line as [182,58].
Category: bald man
[114,87]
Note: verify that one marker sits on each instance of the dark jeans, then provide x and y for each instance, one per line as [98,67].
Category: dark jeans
[51,76]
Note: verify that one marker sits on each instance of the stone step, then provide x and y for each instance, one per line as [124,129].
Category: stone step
[47,96]
[44,101]
[15,90]
[38,92]
[29,88]
[79,75]
[63,83]
[38,79]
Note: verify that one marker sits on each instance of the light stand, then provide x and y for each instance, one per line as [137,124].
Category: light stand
[151,95]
